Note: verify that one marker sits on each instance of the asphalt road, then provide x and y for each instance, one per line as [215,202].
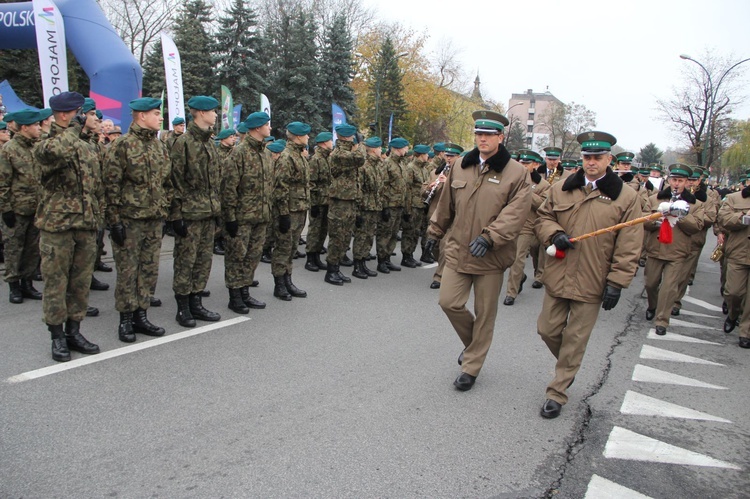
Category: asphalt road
[348,393]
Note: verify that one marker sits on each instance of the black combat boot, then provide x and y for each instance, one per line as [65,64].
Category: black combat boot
[369,272]
[392,266]
[29,291]
[155,302]
[142,325]
[98,285]
[75,339]
[279,288]
[426,257]
[359,272]
[198,311]
[332,275]
[383,266]
[407,260]
[311,265]
[184,317]
[319,263]
[125,329]
[16,295]
[236,304]
[293,290]
[267,256]
[60,351]
[219,246]
[341,276]
[249,300]
[346,261]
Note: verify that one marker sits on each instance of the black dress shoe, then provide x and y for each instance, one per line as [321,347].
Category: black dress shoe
[520,286]
[537,285]
[102,267]
[690,282]
[661,330]
[435,285]
[744,342]
[650,313]
[464,382]
[642,262]
[729,325]
[98,285]
[675,311]
[550,409]
[509,300]
[725,308]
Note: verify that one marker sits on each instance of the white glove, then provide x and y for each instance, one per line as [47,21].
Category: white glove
[664,207]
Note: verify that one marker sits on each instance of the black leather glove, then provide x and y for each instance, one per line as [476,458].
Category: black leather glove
[9,217]
[562,241]
[359,221]
[80,119]
[479,246]
[406,217]
[315,211]
[611,297]
[180,227]
[285,223]
[117,234]
[232,228]
[385,214]
[429,245]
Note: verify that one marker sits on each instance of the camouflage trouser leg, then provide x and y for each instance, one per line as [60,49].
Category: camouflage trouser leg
[137,264]
[99,245]
[387,232]
[21,249]
[341,217]
[396,214]
[271,230]
[317,231]
[193,256]
[286,244]
[67,264]
[243,255]
[364,235]
[410,234]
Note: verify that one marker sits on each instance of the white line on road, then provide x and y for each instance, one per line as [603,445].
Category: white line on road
[678,337]
[601,488]
[625,444]
[110,354]
[653,353]
[429,265]
[698,314]
[678,322]
[701,303]
[646,374]
[642,405]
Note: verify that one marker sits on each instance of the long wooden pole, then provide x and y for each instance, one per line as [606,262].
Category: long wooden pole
[615,228]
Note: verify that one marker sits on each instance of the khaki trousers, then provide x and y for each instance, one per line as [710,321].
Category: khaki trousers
[663,279]
[525,241]
[565,326]
[475,330]
[736,294]
[438,253]
[691,264]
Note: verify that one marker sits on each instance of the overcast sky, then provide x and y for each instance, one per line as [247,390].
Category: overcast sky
[616,58]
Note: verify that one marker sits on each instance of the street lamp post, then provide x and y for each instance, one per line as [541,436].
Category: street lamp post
[713,93]
[378,79]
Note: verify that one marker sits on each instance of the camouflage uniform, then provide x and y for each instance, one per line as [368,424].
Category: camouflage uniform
[395,199]
[247,186]
[169,139]
[320,181]
[137,181]
[344,195]
[196,179]
[416,176]
[291,196]
[370,206]
[20,192]
[68,216]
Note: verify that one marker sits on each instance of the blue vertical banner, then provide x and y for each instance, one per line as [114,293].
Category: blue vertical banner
[390,129]
[339,118]
[236,114]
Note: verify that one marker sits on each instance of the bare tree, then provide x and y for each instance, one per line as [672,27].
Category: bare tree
[447,66]
[564,122]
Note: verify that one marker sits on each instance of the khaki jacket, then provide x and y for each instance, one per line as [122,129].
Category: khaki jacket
[539,191]
[737,242]
[493,201]
[594,262]
[682,232]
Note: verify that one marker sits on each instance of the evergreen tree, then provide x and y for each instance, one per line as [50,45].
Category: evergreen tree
[650,154]
[237,55]
[154,78]
[337,67]
[516,137]
[194,43]
[387,91]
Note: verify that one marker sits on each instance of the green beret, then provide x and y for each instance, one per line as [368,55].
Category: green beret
[439,147]
[45,113]
[257,120]
[399,143]
[242,128]
[345,130]
[9,117]
[202,103]
[625,157]
[66,101]
[26,117]
[323,137]
[489,121]
[88,105]
[270,138]
[410,153]
[99,114]
[145,104]
[298,128]
[431,154]
[453,149]
[178,121]
[421,149]
[552,152]
[595,142]
[678,170]
[276,146]
[226,133]
[3,125]
[374,142]
[383,150]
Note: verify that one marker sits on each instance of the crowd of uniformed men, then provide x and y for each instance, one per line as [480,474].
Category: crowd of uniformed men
[65,175]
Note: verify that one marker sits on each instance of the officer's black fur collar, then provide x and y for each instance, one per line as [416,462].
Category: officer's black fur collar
[648,185]
[667,194]
[701,194]
[496,162]
[627,177]
[746,192]
[610,184]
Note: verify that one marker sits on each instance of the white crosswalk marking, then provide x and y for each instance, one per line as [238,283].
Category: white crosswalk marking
[645,374]
[701,303]
[653,353]
[678,337]
[678,322]
[698,314]
[601,488]
[642,405]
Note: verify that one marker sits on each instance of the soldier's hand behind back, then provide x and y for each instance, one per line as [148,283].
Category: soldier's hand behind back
[285,223]
[232,228]
[117,233]
[180,228]
[9,217]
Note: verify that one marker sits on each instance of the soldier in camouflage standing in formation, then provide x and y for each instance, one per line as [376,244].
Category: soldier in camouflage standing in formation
[370,207]
[346,159]
[320,181]
[417,175]
[246,191]
[138,184]
[196,204]
[178,128]
[394,201]
[68,217]
[19,198]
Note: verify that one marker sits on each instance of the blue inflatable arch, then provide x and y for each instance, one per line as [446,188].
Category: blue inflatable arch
[116,77]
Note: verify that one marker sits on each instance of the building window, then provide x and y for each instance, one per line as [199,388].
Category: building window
[530,128]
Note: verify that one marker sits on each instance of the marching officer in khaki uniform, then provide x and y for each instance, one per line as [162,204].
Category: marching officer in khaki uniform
[665,265]
[484,204]
[593,271]
[527,239]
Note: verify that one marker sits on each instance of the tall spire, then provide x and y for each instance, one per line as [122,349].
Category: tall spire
[476,94]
